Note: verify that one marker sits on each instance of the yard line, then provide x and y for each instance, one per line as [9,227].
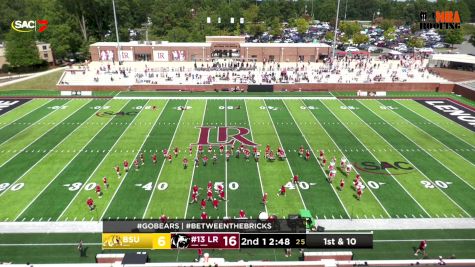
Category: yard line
[435,124]
[163,163]
[50,151]
[290,168]
[257,163]
[24,115]
[418,168]
[374,157]
[65,166]
[225,161]
[37,122]
[32,142]
[98,165]
[193,171]
[316,158]
[333,141]
[448,148]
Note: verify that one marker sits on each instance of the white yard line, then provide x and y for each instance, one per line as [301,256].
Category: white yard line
[65,166]
[225,161]
[223,97]
[318,163]
[193,165]
[437,140]
[98,165]
[369,188]
[416,166]
[257,163]
[435,123]
[24,115]
[50,151]
[286,160]
[163,163]
[38,122]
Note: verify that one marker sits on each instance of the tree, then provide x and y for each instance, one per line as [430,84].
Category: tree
[21,50]
[275,27]
[350,28]
[390,34]
[386,24]
[359,38]
[329,36]
[302,25]
[454,37]
[415,42]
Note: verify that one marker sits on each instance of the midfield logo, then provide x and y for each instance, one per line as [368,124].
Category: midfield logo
[223,136]
[381,167]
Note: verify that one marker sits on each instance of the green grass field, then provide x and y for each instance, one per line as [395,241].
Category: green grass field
[53,152]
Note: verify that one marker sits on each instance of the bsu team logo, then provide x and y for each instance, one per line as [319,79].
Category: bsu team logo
[30,25]
[223,135]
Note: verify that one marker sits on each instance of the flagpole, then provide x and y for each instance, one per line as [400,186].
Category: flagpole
[116,31]
[336,29]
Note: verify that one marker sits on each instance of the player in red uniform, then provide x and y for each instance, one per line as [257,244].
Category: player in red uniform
[222,195]
[342,184]
[301,150]
[348,169]
[204,216]
[90,204]
[203,204]
[165,152]
[422,248]
[242,214]
[210,148]
[136,164]
[322,154]
[117,170]
[126,165]
[210,186]
[359,192]
[185,163]
[154,108]
[194,197]
[254,150]
[271,156]
[307,155]
[104,181]
[142,158]
[247,154]
[209,195]
[176,151]
[324,161]
[264,199]
[215,158]
[221,149]
[282,191]
[154,158]
[163,218]
[170,158]
[98,191]
[200,149]
[295,179]
[215,203]
[228,155]
[220,187]
[190,149]
[195,189]
[232,147]
[205,160]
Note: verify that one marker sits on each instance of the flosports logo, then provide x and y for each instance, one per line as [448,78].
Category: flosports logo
[29,25]
[223,136]
[384,167]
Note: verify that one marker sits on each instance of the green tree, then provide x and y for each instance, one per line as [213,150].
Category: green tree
[454,37]
[390,34]
[21,50]
[359,38]
[275,27]
[350,28]
[415,42]
[329,36]
[302,25]
[386,24]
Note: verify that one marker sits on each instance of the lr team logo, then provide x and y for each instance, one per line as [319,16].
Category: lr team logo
[383,167]
[30,25]
[223,136]
[447,19]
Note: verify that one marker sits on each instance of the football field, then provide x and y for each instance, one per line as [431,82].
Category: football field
[414,162]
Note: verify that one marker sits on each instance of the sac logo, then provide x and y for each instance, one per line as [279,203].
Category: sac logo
[384,167]
[113,113]
[30,25]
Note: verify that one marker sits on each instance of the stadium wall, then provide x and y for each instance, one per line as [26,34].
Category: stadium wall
[464,91]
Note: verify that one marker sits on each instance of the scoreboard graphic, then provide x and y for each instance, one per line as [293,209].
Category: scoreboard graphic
[205,235]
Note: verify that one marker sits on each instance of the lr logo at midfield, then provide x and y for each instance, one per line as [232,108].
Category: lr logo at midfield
[223,136]
[30,25]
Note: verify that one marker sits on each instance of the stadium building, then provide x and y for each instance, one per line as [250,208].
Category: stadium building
[215,47]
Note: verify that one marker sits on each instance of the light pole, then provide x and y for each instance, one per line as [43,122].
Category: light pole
[116,31]
[377,13]
[346,7]
[336,29]
[147,25]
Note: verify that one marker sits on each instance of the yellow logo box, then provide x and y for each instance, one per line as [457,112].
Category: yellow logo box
[136,241]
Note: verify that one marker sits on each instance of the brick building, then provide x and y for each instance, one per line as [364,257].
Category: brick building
[214,47]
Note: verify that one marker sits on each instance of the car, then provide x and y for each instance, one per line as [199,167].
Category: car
[438,45]
[351,49]
[375,49]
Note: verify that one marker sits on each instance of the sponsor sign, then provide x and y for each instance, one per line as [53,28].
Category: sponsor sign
[453,111]
[440,19]
[107,55]
[7,105]
[126,55]
[160,55]
[178,55]
[29,25]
